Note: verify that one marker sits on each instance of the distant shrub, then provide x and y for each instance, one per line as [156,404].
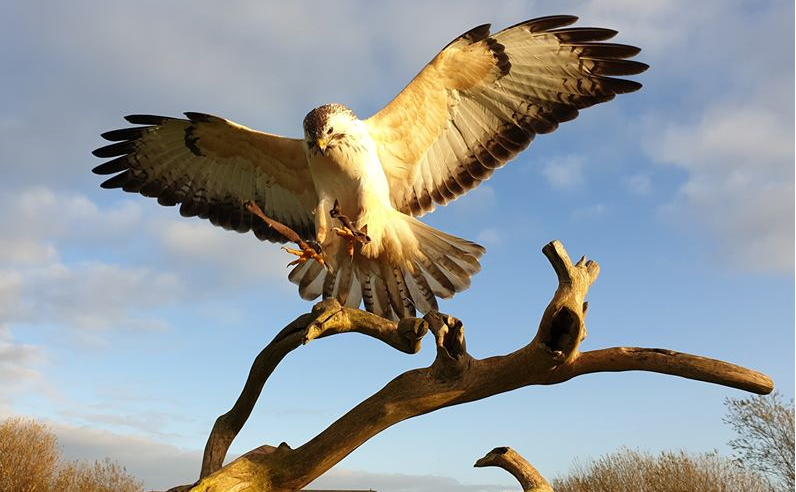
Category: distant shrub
[765,437]
[29,456]
[30,461]
[634,471]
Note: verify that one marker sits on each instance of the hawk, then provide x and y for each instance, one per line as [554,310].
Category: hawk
[473,108]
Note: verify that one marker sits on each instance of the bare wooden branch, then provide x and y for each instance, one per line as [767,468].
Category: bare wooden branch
[453,378]
[452,357]
[529,477]
[562,327]
[327,318]
[617,359]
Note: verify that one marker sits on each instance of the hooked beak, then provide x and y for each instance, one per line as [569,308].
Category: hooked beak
[322,143]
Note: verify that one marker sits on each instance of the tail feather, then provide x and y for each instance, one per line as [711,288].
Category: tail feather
[421,292]
[329,285]
[435,265]
[367,293]
[397,293]
[459,276]
[380,294]
[407,303]
[463,246]
[344,286]
[374,290]
[441,285]
[311,284]
[297,272]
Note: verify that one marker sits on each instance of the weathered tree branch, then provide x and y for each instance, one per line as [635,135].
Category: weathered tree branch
[618,359]
[453,378]
[529,477]
[452,357]
[327,318]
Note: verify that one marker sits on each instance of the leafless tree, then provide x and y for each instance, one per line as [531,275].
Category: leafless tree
[765,436]
[30,461]
[28,456]
[101,476]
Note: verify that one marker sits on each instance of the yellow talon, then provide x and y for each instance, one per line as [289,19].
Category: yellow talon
[344,232]
[304,255]
[292,251]
[350,238]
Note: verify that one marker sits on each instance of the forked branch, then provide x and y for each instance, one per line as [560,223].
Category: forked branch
[327,318]
[453,378]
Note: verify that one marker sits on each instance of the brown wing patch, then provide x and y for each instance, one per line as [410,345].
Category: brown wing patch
[484,97]
[211,166]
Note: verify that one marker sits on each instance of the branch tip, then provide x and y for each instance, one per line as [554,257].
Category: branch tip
[452,358]
[529,477]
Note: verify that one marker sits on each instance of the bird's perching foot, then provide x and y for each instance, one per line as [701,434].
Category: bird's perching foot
[307,250]
[348,230]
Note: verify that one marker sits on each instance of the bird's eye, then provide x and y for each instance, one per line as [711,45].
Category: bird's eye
[330,130]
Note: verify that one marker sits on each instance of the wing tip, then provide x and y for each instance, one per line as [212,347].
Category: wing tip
[133,133]
[197,117]
[472,36]
[146,119]
[579,34]
[114,166]
[622,86]
[114,149]
[115,182]
[548,22]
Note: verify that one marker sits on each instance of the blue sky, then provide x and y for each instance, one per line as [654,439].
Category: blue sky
[130,329]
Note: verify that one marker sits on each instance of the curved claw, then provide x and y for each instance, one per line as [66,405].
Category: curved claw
[306,252]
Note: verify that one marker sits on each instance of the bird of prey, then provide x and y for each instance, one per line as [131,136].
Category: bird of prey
[473,108]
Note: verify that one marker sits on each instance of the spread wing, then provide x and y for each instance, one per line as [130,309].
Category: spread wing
[484,97]
[211,166]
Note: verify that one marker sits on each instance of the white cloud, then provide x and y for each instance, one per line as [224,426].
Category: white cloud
[45,283]
[10,291]
[33,220]
[740,138]
[739,157]
[147,262]
[109,414]
[159,465]
[17,361]
[26,251]
[93,295]
[237,258]
[639,184]
[565,173]
[38,286]
[729,125]
[20,369]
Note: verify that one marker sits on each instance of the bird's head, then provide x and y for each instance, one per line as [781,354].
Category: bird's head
[327,127]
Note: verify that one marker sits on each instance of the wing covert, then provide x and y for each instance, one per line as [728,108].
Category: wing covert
[210,166]
[484,97]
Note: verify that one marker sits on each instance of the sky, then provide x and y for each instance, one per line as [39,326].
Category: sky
[129,329]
